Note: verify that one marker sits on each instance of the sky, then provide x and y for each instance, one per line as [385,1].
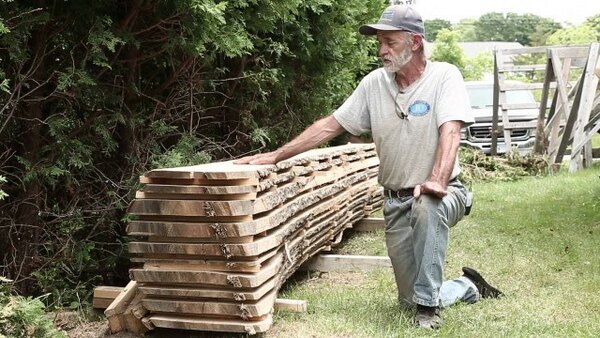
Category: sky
[563,11]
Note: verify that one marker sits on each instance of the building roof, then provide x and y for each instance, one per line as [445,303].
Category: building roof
[472,49]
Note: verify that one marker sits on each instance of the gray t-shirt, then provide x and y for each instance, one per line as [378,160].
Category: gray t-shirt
[406,147]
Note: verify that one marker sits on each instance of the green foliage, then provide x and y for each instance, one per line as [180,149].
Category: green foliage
[465,29]
[513,27]
[447,49]
[23,317]
[574,35]
[594,22]
[476,68]
[3,195]
[185,152]
[432,27]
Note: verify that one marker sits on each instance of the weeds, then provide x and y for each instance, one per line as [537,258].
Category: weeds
[478,167]
[23,317]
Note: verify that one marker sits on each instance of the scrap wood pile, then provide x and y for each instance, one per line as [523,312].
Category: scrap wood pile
[215,242]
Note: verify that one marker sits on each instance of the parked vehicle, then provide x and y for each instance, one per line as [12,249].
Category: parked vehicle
[479,134]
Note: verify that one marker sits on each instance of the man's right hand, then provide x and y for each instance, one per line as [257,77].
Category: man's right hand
[266,158]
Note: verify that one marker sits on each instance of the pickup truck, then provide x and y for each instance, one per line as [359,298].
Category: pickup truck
[478,135]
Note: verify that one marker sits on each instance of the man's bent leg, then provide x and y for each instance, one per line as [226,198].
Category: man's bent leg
[431,219]
[458,289]
[398,238]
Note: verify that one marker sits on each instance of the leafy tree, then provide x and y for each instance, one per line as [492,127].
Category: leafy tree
[95,93]
[512,27]
[574,35]
[476,68]
[447,49]
[594,22]
[543,30]
[465,29]
[432,27]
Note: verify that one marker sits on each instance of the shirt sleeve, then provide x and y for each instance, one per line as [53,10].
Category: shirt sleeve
[353,114]
[453,101]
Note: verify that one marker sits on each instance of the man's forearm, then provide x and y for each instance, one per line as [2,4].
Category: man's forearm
[319,132]
[445,156]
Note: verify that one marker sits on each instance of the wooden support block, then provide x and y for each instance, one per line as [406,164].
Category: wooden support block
[105,295]
[341,263]
[370,224]
[290,305]
[122,300]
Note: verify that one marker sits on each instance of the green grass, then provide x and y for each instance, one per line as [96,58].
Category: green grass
[538,239]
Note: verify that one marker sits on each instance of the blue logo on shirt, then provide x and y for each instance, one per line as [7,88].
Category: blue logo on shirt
[419,108]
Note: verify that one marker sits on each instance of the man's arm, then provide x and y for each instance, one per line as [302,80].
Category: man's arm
[445,156]
[319,132]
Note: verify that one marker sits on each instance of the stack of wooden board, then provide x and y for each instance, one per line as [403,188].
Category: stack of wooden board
[217,241]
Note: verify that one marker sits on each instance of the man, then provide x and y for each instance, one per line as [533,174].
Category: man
[415,109]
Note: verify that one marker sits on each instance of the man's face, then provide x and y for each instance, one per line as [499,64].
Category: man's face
[395,49]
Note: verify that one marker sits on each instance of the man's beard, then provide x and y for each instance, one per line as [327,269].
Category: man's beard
[399,61]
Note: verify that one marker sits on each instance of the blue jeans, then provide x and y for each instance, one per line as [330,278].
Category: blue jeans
[416,235]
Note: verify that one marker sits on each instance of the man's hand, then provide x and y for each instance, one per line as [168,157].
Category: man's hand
[430,188]
[266,158]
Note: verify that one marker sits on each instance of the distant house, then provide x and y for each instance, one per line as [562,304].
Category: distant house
[472,49]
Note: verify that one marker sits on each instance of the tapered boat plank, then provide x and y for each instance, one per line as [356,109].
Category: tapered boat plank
[245,310]
[236,280]
[190,292]
[183,322]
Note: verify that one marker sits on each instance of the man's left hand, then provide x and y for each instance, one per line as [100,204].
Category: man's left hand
[430,188]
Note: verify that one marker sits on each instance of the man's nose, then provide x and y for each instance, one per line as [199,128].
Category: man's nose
[383,49]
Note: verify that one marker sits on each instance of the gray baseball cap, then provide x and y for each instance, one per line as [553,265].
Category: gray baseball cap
[396,18]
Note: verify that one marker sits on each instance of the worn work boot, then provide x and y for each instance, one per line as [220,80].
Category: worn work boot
[485,289]
[428,317]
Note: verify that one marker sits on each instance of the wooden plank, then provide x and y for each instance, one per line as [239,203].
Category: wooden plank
[525,50]
[341,263]
[183,322]
[107,291]
[166,189]
[245,310]
[581,51]
[370,224]
[251,182]
[214,197]
[225,279]
[498,79]
[214,171]
[584,111]
[251,264]
[291,305]
[524,86]
[105,295]
[522,68]
[122,300]
[520,125]
[518,106]
[194,291]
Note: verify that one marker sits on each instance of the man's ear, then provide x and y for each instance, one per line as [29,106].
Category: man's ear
[417,42]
